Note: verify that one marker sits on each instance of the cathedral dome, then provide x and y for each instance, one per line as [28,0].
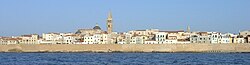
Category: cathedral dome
[97,27]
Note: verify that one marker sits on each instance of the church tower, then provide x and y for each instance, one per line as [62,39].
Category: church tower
[188,29]
[109,23]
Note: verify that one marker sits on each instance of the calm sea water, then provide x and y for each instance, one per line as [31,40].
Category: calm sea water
[124,58]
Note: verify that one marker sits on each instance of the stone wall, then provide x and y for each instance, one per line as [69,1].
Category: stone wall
[244,47]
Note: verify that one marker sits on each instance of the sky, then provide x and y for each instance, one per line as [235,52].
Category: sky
[18,17]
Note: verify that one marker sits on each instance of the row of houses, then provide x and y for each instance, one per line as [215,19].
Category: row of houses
[149,36]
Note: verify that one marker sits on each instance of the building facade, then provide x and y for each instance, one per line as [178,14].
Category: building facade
[29,39]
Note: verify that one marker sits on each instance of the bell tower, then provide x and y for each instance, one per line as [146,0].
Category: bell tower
[109,23]
[188,29]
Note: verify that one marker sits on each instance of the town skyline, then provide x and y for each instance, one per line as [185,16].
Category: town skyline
[97,35]
[124,32]
[28,17]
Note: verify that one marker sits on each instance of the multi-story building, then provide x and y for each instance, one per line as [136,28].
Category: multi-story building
[99,38]
[121,39]
[238,39]
[224,38]
[138,39]
[88,39]
[29,39]
[58,38]
[245,33]
[205,37]
[105,38]
[9,40]
[150,42]
[161,37]
[200,39]
[214,37]
[128,38]
[70,39]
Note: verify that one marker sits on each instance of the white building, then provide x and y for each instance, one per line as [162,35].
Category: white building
[8,40]
[58,38]
[224,38]
[138,39]
[214,37]
[150,42]
[161,37]
[88,39]
[69,39]
[29,39]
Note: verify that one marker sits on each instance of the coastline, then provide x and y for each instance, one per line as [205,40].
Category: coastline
[126,48]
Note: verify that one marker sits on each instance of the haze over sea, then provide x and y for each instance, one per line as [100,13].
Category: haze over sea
[124,58]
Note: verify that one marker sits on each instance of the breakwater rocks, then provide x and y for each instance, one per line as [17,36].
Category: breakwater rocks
[102,48]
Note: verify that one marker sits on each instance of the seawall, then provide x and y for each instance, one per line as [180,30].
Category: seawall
[243,47]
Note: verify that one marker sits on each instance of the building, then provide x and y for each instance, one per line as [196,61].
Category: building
[105,38]
[69,39]
[150,42]
[29,39]
[88,39]
[200,39]
[180,34]
[128,37]
[238,39]
[147,32]
[214,37]
[99,38]
[245,33]
[205,37]
[9,40]
[161,37]
[224,38]
[121,39]
[52,38]
[138,39]
[58,38]
[94,30]
[248,39]
[109,23]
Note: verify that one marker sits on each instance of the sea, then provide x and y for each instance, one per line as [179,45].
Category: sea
[124,58]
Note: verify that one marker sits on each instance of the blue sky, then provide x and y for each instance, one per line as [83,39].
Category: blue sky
[41,16]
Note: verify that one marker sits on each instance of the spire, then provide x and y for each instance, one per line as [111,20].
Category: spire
[109,23]
[110,15]
[188,29]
